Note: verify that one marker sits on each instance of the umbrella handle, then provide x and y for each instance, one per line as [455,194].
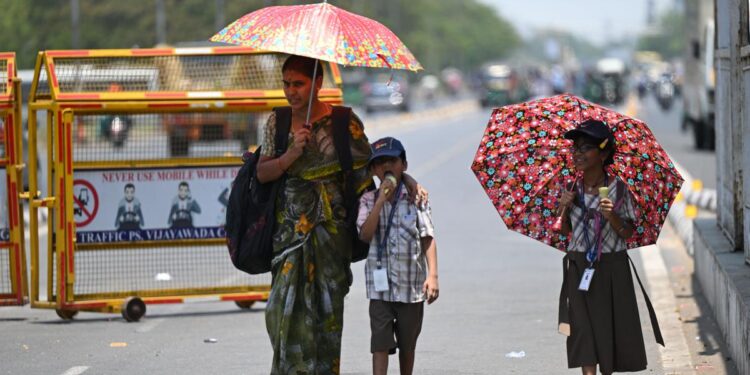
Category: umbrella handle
[557,226]
[308,125]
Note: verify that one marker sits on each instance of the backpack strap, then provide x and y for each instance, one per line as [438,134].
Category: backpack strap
[283,124]
[341,117]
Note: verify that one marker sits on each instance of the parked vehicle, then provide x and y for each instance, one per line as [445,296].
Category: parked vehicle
[386,91]
[497,85]
[699,78]
[611,74]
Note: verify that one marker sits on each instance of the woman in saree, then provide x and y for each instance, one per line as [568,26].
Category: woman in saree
[312,241]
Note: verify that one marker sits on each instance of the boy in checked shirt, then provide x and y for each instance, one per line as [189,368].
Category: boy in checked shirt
[401,268]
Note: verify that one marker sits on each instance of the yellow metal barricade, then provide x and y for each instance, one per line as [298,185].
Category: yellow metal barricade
[141,147]
[13,287]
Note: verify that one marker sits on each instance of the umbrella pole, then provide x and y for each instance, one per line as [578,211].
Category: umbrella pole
[312,85]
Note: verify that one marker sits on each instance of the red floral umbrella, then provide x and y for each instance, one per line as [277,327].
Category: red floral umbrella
[524,163]
[321,31]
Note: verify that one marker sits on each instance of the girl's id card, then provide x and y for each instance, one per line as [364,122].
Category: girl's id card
[586,279]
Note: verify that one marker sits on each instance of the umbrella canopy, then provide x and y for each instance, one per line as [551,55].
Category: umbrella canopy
[321,31]
[524,163]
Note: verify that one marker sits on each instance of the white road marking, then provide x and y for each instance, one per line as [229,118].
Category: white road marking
[445,156]
[675,356]
[77,370]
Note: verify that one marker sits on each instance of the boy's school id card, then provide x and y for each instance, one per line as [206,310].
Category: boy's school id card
[586,279]
[380,279]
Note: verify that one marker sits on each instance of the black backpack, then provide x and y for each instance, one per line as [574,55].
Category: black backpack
[341,117]
[251,207]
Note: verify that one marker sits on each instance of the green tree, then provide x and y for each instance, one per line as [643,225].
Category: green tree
[460,33]
[667,38]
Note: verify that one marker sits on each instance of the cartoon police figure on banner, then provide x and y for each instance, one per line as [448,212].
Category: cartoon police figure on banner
[183,207]
[129,215]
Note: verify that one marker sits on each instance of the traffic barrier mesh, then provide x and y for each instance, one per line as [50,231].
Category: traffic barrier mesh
[2,141]
[3,76]
[163,135]
[155,271]
[177,73]
[5,284]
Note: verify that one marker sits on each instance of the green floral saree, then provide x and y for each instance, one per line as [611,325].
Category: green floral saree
[312,252]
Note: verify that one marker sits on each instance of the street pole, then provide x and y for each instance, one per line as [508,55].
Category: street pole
[219,22]
[161,23]
[75,18]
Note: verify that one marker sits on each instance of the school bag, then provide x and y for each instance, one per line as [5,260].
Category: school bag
[250,216]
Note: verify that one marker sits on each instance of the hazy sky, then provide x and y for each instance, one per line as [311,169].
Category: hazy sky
[594,19]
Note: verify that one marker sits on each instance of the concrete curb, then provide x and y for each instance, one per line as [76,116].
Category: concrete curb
[725,280]
[681,222]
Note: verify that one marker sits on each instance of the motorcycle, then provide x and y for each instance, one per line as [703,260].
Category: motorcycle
[665,93]
[115,129]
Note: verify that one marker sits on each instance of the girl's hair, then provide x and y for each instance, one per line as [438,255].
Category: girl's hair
[302,64]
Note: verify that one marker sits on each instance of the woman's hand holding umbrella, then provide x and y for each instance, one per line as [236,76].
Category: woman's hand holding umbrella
[301,137]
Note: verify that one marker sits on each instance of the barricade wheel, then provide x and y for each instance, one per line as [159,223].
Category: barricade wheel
[133,309]
[65,314]
[244,304]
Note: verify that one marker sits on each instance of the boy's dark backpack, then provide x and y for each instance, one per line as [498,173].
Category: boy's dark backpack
[251,207]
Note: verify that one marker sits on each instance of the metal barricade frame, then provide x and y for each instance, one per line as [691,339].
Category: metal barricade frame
[69,99]
[13,271]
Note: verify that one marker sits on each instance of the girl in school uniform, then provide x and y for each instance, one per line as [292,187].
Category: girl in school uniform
[598,308]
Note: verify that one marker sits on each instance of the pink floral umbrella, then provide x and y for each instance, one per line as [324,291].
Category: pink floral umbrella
[321,31]
[523,163]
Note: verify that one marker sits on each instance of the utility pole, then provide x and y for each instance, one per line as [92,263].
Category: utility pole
[75,19]
[161,23]
[219,22]
[650,13]
[358,7]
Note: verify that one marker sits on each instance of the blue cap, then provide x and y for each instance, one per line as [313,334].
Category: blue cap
[387,146]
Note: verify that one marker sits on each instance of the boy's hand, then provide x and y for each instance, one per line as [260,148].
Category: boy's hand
[431,289]
[386,190]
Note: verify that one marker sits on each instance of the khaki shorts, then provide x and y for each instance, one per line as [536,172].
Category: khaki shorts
[395,324]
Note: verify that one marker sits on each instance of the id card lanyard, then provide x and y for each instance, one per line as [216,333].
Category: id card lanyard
[384,239]
[593,251]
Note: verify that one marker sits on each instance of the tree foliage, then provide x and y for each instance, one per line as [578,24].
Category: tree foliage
[667,38]
[461,33]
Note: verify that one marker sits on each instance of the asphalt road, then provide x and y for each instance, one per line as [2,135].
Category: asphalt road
[499,292]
